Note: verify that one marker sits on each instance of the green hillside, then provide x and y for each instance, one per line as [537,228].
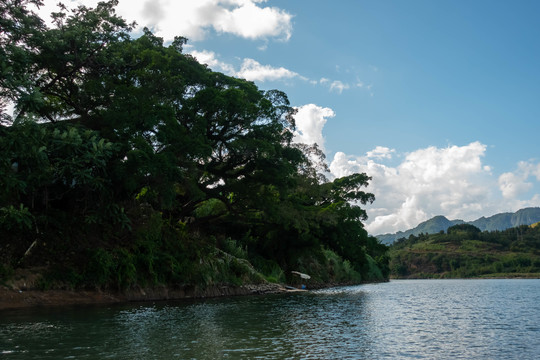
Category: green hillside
[466,252]
[500,221]
[431,226]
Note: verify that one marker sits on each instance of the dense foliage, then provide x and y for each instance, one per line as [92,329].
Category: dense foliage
[129,163]
[464,251]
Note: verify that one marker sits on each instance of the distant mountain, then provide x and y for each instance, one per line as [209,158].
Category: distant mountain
[504,221]
[501,221]
[431,226]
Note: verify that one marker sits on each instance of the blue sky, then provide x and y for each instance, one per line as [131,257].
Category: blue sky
[438,101]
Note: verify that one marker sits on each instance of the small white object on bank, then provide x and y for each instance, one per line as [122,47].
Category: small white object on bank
[302,275]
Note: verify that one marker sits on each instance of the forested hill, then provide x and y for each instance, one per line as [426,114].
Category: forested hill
[501,221]
[128,163]
[464,252]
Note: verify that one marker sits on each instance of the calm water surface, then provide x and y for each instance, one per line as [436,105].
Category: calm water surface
[420,319]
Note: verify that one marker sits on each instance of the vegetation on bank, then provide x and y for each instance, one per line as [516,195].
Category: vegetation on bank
[127,163]
[466,252]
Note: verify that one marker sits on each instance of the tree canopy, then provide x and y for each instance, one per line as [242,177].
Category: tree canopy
[112,132]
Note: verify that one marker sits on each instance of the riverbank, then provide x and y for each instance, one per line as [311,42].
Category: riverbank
[23,291]
[17,298]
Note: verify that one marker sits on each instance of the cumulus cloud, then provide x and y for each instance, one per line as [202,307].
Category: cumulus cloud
[451,181]
[153,11]
[250,69]
[381,152]
[310,120]
[514,184]
[248,19]
[254,71]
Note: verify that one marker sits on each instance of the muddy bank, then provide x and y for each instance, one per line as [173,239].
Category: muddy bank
[18,298]
[23,290]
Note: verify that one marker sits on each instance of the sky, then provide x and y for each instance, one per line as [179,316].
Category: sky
[437,101]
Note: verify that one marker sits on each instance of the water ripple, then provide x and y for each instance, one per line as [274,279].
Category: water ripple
[424,319]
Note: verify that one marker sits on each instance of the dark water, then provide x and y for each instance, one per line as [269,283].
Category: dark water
[424,319]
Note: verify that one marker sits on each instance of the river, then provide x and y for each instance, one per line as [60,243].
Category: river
[402,319]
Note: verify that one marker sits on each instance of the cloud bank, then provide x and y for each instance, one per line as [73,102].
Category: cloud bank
[452,181]
[433,181]
[248,19]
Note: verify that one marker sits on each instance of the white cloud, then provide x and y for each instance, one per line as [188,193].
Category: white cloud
[381,152]
[310,120]
[338,86]
[410,212]
[433,181]
[449,181]
[529,169]
[153,11]
[252,70]
[193,19]
[514,184]
[248,20]
[536,172]
[209,58]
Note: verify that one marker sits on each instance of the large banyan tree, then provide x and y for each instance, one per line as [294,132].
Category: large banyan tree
[110,131]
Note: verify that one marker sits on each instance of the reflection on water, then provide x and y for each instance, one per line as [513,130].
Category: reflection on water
[424,319]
